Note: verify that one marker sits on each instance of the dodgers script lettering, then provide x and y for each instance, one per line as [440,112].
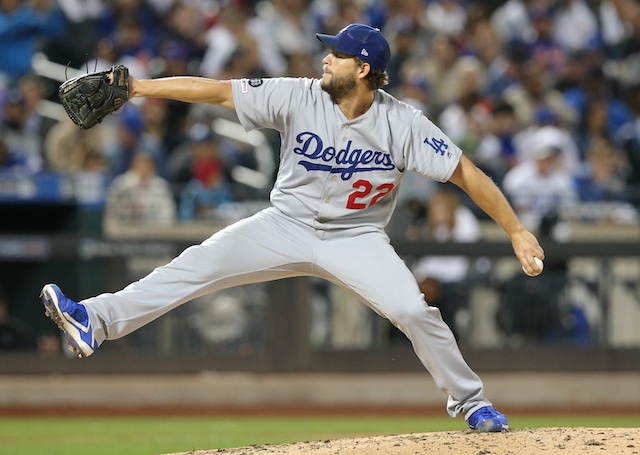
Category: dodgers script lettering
[345,161]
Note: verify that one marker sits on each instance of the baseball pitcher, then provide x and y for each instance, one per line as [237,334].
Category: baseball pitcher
[346,146]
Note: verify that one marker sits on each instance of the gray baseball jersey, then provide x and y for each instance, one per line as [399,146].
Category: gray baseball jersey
[339,173]
[335,191]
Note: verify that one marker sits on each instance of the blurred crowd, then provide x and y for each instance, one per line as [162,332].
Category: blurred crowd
[544,95]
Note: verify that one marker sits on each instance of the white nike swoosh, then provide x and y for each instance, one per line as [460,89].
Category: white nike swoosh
[76,324]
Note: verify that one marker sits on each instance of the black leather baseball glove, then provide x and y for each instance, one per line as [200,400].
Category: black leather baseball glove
[89,98]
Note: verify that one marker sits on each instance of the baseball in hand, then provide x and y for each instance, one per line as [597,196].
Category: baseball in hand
[539,263]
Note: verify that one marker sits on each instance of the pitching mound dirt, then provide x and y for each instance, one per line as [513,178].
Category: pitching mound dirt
[522,441]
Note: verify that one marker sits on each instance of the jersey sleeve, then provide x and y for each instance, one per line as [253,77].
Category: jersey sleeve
[263,103]
[429,151]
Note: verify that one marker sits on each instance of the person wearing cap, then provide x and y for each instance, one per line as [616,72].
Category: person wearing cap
[139,196]
[540,186]
[346,145]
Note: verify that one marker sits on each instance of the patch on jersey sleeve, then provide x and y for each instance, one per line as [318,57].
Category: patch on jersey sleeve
[439,146]
[246,83]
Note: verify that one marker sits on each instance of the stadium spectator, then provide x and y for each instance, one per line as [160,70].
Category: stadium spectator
[124,10]
[601,111]
[7,159]
[535,90]
[24,26]
[506,69]
[68,148]
[156,137]
[545,50]
[601,178]
[24,145]
[292,24]
[81,35]
[512,20]
[414,90]
[538,187]
[127,33]
[129,125]
[207,189]
[483,41]
[616,18]
[175,60]
[407,17]
[575,26]
[405,55]
[446,16]
[135,47]
[462,119]
[546,131]
[140,196]
[204,194]
[105,55]
[595,127]
[34,91]
[186,23]
[239,44]
[441,70]
[497,153]
[302,65]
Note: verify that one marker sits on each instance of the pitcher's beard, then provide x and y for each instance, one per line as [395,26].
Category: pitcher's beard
[337,87]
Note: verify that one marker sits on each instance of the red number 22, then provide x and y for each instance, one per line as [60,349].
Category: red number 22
[363,189]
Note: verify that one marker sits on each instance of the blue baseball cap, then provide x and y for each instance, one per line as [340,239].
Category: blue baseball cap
[362,41]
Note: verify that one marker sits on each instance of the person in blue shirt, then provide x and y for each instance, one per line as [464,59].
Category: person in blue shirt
[601,178]
[22,26]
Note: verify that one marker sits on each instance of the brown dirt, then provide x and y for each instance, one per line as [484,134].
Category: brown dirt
[522,441]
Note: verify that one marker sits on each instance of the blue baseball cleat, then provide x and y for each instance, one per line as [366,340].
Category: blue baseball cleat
[71,318]
[488,420]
